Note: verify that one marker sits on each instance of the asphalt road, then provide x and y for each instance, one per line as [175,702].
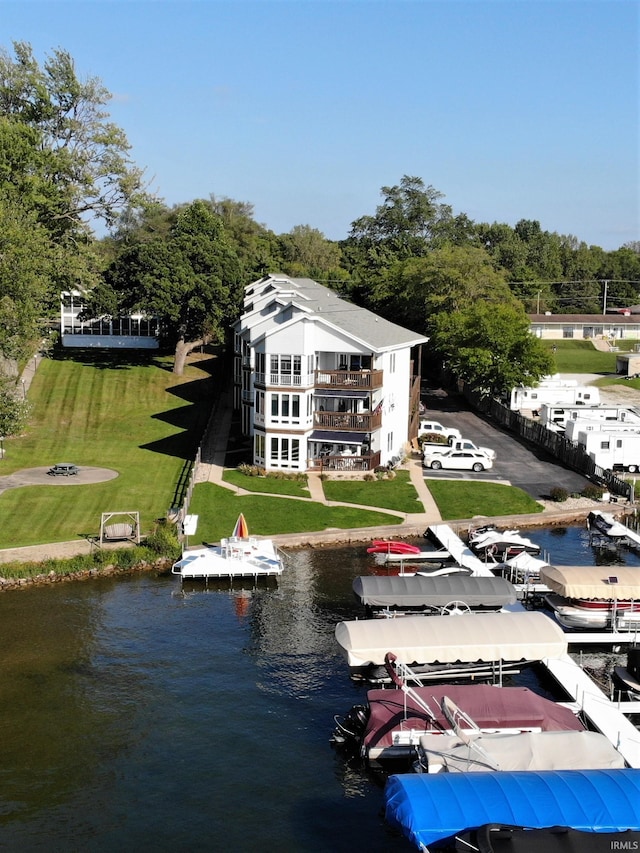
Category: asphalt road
[517,462]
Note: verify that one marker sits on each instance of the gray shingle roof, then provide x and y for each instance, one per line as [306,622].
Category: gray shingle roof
[359,323]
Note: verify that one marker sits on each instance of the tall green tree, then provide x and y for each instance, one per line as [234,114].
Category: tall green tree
[489,346]
[63,167]
[191,280]
[306,252]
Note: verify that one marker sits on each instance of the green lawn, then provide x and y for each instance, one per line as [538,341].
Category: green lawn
[397,493]
[580,357]
[457,499]
[218,508]
[267,485]
[121,411]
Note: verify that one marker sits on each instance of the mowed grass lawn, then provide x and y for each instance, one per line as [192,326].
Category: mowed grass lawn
[580,357]
[126,412]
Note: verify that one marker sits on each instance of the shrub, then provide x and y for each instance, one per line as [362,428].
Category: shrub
[163,540]
[558,494]
[432,438]
[593,492]
[369,478]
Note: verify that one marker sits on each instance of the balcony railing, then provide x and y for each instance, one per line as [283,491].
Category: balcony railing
[344,463]
[284,380]
[347,421]
[349,379]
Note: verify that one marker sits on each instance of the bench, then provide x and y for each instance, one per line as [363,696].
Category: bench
[119,531]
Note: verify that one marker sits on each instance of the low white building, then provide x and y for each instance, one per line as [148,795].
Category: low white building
[320,382]
[134,331]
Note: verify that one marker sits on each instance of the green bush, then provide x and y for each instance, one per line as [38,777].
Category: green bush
[558,494]
[163,540]
[593,492]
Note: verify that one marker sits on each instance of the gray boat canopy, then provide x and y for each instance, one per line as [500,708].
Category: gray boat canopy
[467,638]
[414,591]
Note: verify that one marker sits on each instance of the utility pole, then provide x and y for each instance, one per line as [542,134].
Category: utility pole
[604,296]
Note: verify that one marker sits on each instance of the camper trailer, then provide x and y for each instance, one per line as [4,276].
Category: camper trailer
[555,392]
[559,416]
[612,450]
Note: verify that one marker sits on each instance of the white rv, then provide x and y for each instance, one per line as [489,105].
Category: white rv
[555,392]
[561,415]
[613,451]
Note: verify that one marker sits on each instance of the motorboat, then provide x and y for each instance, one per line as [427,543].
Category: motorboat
[474,646]
[398,595]
[594,597]
[239,555]
[496,545]
[432,810]
[390,725]
[470,750]
[606,525]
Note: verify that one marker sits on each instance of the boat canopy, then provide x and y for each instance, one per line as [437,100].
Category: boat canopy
[602,582]
[421,591]
[520,751]
[468,638]
[432,808]
[488,706]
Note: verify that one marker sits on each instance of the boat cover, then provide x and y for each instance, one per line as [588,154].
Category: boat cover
[593,581]
[468,638]
[421,591]
[521,751]
[488,706]
[431,808]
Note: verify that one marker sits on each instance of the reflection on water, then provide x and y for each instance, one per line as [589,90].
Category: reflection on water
[141,713]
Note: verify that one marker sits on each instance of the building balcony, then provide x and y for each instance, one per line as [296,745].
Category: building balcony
[344,463]
[284,380]
[367,380]
[347,421]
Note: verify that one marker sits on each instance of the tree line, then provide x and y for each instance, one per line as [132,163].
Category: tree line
[65,169]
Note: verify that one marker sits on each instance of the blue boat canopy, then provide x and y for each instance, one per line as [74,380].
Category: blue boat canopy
[432,808]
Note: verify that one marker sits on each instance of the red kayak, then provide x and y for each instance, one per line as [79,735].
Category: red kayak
[389,546]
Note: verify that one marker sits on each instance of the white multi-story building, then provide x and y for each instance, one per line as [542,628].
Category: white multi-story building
[320,382]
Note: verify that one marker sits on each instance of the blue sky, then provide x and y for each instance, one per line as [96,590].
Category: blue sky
[512,109]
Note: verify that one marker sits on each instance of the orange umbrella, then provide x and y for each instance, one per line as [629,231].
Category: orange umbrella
[241,529]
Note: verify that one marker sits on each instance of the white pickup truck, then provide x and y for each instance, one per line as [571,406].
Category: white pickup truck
[435,428]
[458,444]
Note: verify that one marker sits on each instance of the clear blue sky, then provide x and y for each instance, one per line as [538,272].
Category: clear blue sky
[511,108]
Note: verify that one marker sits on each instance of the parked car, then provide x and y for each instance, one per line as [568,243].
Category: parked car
[435,428]
[63,469]
[459,444]
[458,460]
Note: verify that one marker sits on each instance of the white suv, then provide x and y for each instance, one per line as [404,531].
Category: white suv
[437,429]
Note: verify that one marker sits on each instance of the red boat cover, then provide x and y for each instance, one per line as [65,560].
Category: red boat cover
[488,706]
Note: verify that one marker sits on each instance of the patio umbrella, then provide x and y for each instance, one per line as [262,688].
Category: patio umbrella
[241,529]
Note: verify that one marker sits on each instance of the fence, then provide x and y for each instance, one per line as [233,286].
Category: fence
[571,455]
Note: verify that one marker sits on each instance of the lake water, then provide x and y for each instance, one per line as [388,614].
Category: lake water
[141,715]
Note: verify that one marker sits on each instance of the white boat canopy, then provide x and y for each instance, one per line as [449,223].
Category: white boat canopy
[600,582]
[420,591]
[467,638]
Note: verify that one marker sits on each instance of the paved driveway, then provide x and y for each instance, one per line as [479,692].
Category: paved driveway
[517,462]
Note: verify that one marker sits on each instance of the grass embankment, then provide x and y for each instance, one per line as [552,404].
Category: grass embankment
[580,357]
[126,412]
[464,499]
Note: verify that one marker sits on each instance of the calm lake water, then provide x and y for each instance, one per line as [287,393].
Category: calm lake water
[141,715]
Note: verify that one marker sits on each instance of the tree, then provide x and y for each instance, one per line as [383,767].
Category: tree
[258,249]
[83,157]
[62,167]
[191,281]
[13,411]
[306,252]
[490,347]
